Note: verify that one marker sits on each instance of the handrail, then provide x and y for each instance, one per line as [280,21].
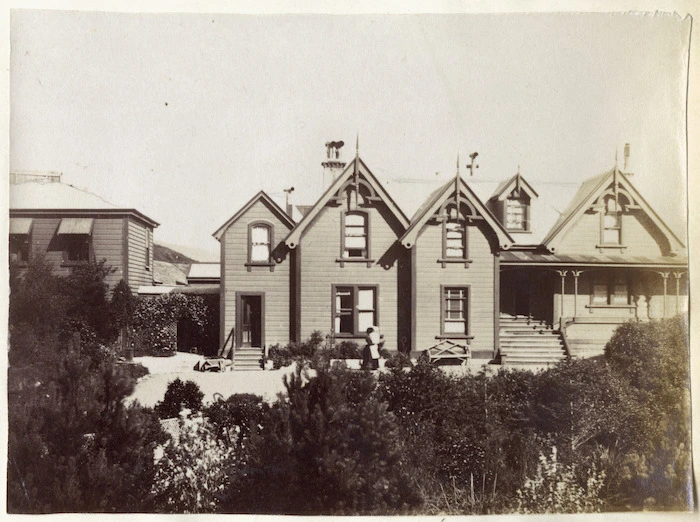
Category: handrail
[564,338]
[222,351]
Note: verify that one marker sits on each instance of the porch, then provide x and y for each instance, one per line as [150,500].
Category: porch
[586,297]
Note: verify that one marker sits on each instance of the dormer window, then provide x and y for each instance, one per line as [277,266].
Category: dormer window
[516,214]
[260,241]
[355,236]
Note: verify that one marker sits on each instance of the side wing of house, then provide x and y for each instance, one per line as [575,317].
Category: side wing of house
[67,239]
[255,275]
[454,242]
[351,271]
[615,260]
[137,252]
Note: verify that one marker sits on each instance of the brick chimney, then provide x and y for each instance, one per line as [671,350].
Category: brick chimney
[333,164]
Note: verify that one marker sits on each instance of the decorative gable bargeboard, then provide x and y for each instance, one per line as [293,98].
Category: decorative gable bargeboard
[459,272]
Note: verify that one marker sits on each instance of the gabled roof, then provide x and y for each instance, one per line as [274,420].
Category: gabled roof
[356,165]
[267,201]
[516,182]
[39,197]
[432,204]
[588,193]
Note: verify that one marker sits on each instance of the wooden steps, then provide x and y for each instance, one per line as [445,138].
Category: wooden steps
[247,359]
[527,343]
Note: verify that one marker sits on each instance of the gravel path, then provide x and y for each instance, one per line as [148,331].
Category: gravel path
[163,370]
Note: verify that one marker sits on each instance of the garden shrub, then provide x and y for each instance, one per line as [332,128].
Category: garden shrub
[652,358]
[74,447]
[233,419]
[179,395]
[280,356]
[190,469]
[399,360]
[328,450]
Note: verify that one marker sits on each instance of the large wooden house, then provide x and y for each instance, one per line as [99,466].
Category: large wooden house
[71,227]
[491,272]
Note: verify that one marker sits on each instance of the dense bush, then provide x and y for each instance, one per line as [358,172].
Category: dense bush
[653,360]
[153,318]
[331,449]
[190,469]
[302,353]
[74,447]
[235,418]
[179,396]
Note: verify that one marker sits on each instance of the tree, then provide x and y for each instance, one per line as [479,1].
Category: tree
[331,449]
[180,395]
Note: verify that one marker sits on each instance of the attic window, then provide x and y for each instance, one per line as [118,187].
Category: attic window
[517,213]
[260,241]
[355,235]
[612,223]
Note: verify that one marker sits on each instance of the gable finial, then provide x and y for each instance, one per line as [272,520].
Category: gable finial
[357,144]
[615,158]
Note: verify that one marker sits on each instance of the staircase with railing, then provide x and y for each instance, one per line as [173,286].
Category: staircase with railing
[243,358]
[527,342]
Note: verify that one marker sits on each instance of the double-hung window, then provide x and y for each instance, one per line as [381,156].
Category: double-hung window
[516,211]
[612,223]
[355,235]
[259,244]
[354,309]
[455,311]
[610,293]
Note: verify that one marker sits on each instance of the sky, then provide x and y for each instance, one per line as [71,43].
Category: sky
[187,116]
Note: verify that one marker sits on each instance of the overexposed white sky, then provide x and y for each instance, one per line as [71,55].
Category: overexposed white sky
[186,116]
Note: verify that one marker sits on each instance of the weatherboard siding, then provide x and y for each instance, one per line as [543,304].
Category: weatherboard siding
[107,245]
[431,276]
[320,270]
[140,272]
[235,276]
[639,235]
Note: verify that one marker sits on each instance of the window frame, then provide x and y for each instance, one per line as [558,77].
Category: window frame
[25,243]
[610,283]
[70,240]
[148,248]
[355,290]
[271,237]
[444,309]
[604,212]
[524,203]
[366,258]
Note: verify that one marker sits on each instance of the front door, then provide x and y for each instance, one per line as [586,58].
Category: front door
[250,320]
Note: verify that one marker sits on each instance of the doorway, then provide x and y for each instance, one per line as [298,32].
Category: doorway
[249,318]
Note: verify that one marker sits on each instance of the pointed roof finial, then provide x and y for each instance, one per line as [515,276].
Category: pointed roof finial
[615,158]
[518,169]
[458,163]
[357,144]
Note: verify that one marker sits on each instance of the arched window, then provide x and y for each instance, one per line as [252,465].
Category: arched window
[454,238]
[355,237]
[260,243]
